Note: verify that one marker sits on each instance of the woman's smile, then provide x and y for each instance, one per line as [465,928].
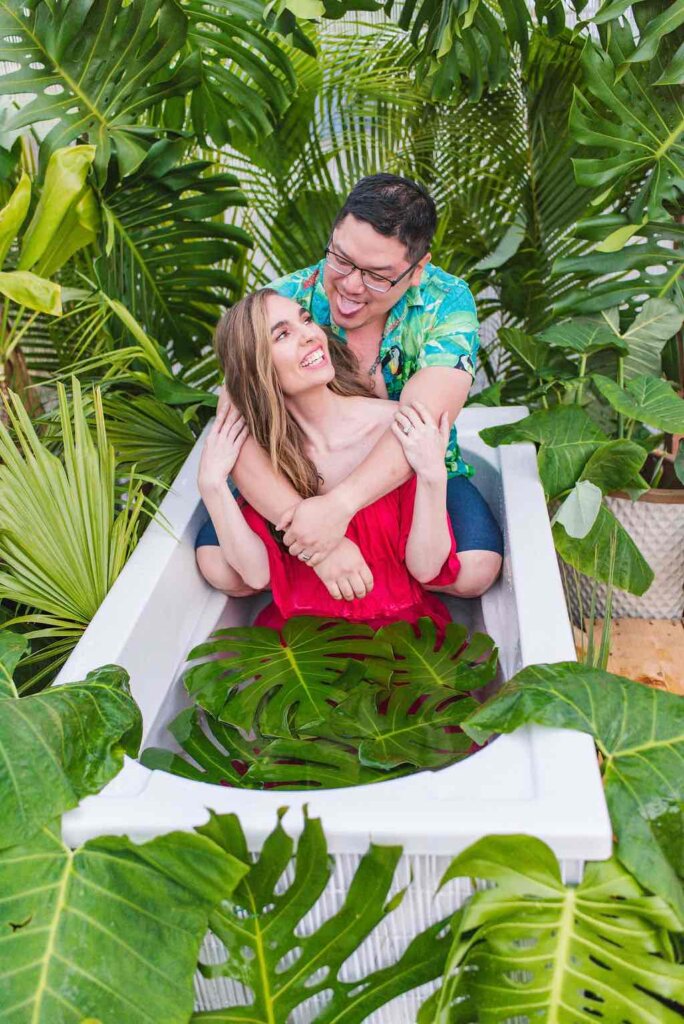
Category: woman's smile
[315,358]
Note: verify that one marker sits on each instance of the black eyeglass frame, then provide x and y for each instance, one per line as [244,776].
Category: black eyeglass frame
[365,270]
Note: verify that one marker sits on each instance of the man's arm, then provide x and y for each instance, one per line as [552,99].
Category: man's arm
[440,389]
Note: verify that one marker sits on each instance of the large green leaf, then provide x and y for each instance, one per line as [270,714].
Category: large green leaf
[61,745]
[455,661]
[290,679]
[147,434]
[169,248]
[532,948]
[615,465]
[584,335]
[110,931]
[220,754]
[645,399]
[31,291]
[111,62]
[13,214]
[67,216]
[640,733]
[607,553]
[657,321]
[656,22]
[410,724]
[280,966]
[567,437]
[639,124]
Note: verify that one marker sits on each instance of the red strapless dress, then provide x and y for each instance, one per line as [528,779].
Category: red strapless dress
[381,531]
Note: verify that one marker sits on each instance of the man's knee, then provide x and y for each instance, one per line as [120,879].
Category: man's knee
[479,570]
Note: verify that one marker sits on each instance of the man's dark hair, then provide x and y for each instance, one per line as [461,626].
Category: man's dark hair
[396,207]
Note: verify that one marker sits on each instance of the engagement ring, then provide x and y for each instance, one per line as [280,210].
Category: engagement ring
[305,558]
[406,429]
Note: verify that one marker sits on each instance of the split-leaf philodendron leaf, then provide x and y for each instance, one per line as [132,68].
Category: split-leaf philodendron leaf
[455,661]
[282,965]
[290,681]
[110,931]
[640,734]
[532,948]
[59,745]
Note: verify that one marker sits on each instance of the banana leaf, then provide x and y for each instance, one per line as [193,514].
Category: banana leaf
[290,678]
[110,931]
[640,734]
[281,966]
[47,770]
[530,947]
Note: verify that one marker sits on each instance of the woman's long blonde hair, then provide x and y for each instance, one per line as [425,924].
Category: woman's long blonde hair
[243,346]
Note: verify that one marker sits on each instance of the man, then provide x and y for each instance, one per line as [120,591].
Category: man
[413,329]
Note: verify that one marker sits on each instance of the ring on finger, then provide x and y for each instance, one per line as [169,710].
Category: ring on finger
[407,430]
[304,557]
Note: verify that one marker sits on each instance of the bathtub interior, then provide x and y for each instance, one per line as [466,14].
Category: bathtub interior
[495,613]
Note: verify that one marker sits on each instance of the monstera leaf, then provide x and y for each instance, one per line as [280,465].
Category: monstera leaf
[61,745]
[221,752]
[282,967]
[291,679]
[110,931]
[455,662]
[532,947]
[640,734]
[315,763]
[633,126]
[410,724]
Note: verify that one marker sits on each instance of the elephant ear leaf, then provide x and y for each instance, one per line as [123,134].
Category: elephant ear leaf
[47,770]
[291,677]
[298,964]
[640,734]
[456,661]
[140,912]
[601,947]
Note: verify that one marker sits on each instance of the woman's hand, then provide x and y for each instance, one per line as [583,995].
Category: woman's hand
[423,440]
[222,446]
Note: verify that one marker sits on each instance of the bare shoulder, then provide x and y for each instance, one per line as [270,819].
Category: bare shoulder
[378,411]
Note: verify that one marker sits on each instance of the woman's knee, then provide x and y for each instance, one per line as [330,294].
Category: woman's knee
[219,574]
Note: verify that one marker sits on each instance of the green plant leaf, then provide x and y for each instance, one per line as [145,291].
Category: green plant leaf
[607,553]
[67,215]
[314,763]
[290,679]
[640,733]
[456,662]
[13,214]
[655,324]
[61,745]
[567,438]
[172,391]
[148,435]
[27,289]
[615,465]
[280,966]
[583,335]
[13,647]
[63,541]
[532,947]
[640,126]
[111,930]
[579,511]
[645,399]
[172,245]
[220,753]
[409,724]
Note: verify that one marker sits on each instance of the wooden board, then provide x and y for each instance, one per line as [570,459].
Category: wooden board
[649,651]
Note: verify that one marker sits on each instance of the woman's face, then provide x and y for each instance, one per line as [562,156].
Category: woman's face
[299,347]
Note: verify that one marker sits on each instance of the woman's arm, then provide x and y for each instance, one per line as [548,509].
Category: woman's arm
[424,444]
[244,554]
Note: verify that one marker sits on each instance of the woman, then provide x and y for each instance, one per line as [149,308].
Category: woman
[286,392]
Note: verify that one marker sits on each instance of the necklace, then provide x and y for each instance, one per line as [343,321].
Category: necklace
[371,371]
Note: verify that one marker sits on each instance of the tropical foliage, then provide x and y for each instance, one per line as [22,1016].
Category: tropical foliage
[326,704]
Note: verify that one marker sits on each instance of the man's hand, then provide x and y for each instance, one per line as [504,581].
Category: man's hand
[345,572]
[314,528]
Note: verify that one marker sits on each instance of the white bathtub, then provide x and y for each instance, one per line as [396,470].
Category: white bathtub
[543,782]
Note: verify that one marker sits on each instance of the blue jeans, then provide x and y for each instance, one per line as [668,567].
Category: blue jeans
[472,520]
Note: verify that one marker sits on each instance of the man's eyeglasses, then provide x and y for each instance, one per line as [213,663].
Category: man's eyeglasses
[375,282]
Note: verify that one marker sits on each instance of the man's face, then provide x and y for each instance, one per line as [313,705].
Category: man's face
[352,304]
